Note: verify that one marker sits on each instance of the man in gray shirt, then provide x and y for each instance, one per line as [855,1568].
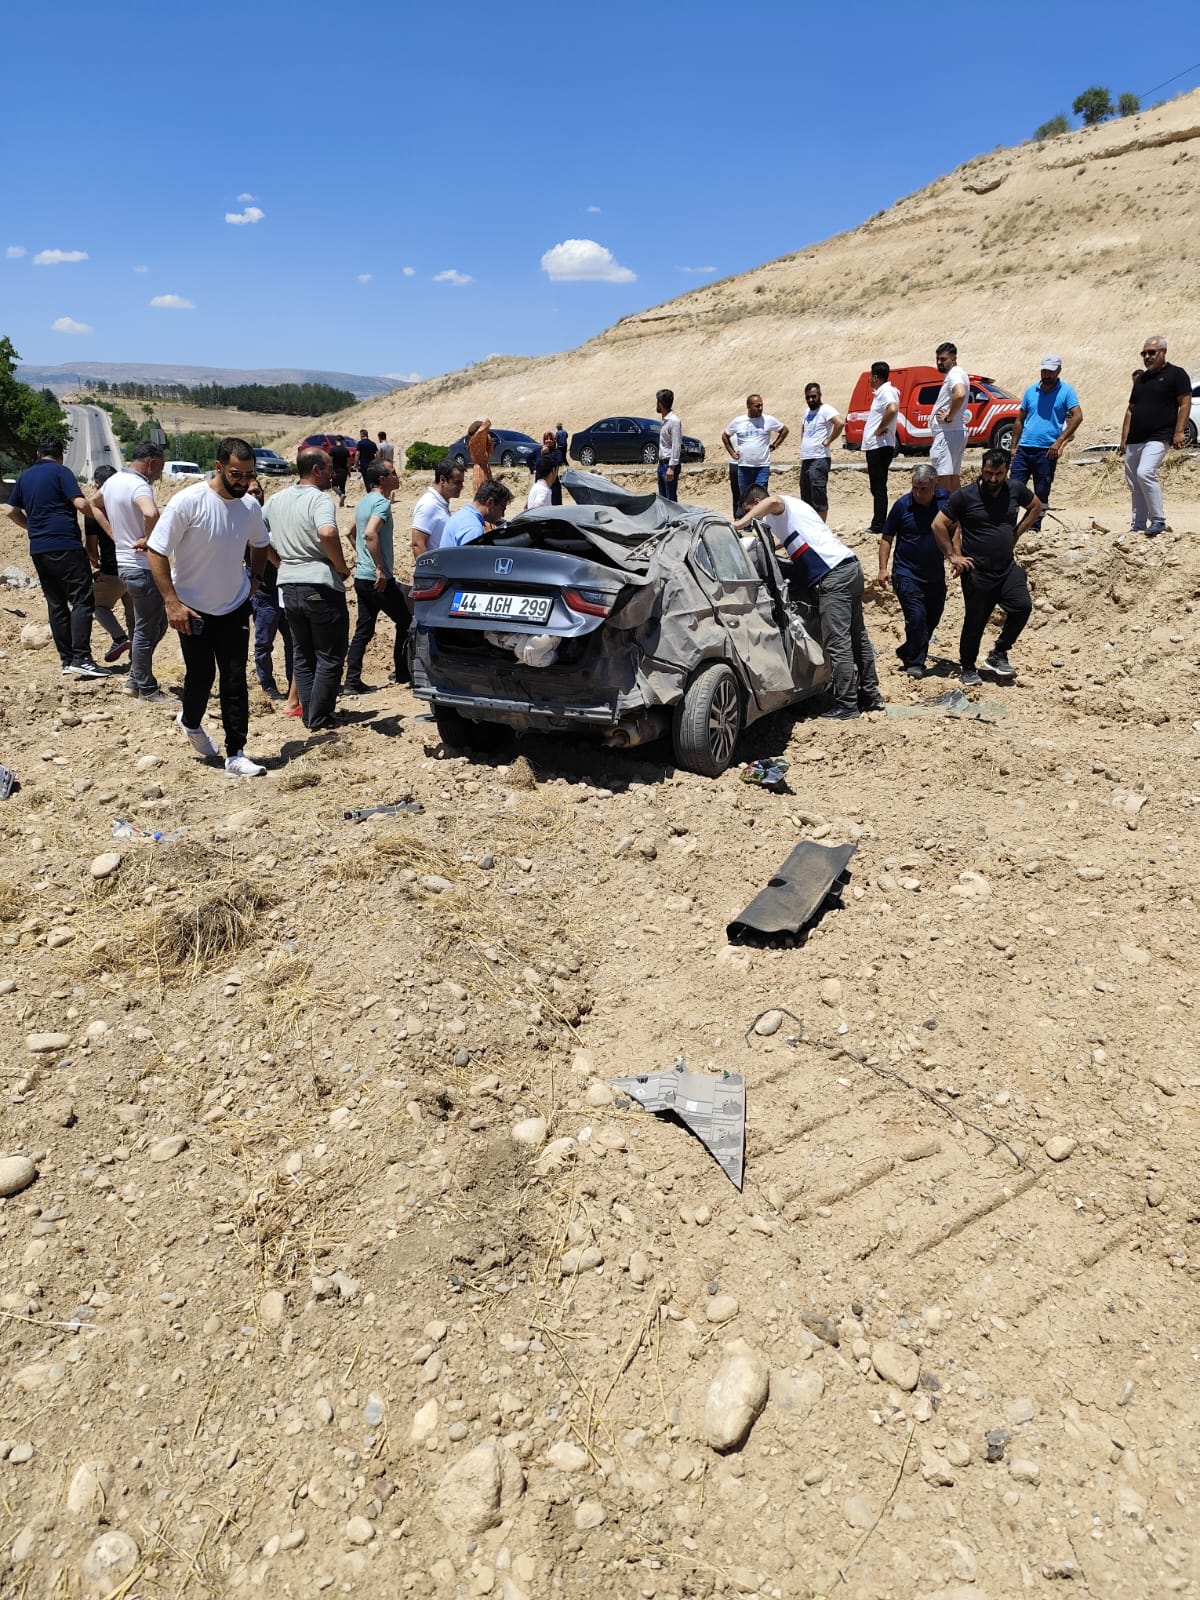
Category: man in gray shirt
[302,522]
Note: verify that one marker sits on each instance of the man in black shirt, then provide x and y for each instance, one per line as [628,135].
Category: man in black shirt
[339,457]
[1156,417]
[367,451]
[977,533]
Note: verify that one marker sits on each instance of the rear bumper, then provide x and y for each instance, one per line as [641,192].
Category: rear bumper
[474,694]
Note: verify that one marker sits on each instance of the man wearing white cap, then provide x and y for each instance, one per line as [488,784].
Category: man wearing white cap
[1049,419]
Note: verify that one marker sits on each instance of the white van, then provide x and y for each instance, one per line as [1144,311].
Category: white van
[183,469]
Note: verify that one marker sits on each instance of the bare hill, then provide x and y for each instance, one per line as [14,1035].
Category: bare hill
[1079,245]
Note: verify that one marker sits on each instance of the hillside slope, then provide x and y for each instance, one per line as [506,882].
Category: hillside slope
[1079,245]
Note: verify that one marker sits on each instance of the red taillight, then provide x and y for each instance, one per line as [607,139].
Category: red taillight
[429,588]
[588,602]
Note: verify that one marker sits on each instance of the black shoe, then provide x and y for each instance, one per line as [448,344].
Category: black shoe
[875,703]
[998,664]
[354,686]
[969,678]
[839,714]
[269,686]
[914,671]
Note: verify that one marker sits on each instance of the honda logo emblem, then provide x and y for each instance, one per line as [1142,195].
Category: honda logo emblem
[503,565]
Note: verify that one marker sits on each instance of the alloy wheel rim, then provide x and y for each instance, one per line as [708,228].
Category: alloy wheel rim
[723,720]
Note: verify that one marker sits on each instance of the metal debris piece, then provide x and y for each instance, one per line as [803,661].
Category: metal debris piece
[712,1108]
[795,894]
[413,807]
[768,774]
[8,782]
[954,703]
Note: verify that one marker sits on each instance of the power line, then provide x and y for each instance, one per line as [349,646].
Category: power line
[1177,76]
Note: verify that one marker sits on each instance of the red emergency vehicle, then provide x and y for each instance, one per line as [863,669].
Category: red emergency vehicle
[991,411]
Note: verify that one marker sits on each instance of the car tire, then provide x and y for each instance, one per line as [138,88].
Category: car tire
[484,738]
[1001,437]
[460,460]
[649,454]
[708,721]
[587,456]
[1189,434]
[508,459]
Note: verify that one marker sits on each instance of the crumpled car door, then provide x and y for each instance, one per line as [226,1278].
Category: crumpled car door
[743,606]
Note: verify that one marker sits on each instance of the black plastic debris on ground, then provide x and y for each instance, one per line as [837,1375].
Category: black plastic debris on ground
[712,1108]
[812,875]
[363,813]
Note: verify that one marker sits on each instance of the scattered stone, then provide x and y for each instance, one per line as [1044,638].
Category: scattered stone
[599,1094]
[424,1424]
[272,1309]
[736,1397]
[16,1173]
[477,1491]
[859,1511]
[1130,1503]
[588,1514]
[972,886]
[45,1044]
[996,1440]
[937,1470]
[1020,1411]
[530,1132]
[359,1531]
[109,1561]
[639,1267]
[57,937]
[824,1328]
[567,1457]
[1090,874]
[1156,1193]
[1061,1146]
[896,1364]
[20,1454]
[770,1022]
[90,1486]
[722,1308]
[796,1395]
[167,1149]
[1022,1470]
[580,1258]
[958,1453]
[831,991]
[557,1153]
[103,866]
[35,636]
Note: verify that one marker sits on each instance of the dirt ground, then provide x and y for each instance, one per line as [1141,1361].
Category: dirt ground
[289,1310]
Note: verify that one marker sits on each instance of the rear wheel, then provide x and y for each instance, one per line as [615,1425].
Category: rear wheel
[1002,437]
[649,453]
[1189,434]
[508,459]
[708,722]
[460,460]
[485,738]
[587,456]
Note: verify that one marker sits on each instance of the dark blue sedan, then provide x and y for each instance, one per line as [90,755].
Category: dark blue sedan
[510,449]
[627,439]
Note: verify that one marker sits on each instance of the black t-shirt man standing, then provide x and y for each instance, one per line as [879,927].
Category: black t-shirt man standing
[1156,418]
[977,532]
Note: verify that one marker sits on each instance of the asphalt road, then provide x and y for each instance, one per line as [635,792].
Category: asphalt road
[92,441]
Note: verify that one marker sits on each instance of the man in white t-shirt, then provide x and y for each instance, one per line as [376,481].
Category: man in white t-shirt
[822,425]
[823,563]
[197,558]
[749,440]
[545,476]
[948,419]
[127,501]
[670,444]
[879,439]
[432,511]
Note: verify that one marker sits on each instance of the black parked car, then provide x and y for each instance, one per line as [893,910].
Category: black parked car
[626,439]
[624,616]
[508,450]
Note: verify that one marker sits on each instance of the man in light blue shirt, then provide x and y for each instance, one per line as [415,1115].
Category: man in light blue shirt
[1049,418]
[375,583]
[485,511]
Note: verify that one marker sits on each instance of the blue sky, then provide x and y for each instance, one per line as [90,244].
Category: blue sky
[406,188]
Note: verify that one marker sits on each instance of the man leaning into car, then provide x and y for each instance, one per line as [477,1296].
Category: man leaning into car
[485,511]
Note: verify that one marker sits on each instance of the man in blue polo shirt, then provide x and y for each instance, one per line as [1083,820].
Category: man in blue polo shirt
[44,501]
[485,511]
[918,573]
[1049,419]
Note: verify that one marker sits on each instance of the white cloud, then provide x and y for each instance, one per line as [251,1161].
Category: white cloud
[365,277]
[172,302]
[403,377]
[251,214]
[69,325]
[53,258]
[410,272]
[583,260]
[242,198]
[14,252]
[141,269]
[703,271]
[594,210]
[450,276]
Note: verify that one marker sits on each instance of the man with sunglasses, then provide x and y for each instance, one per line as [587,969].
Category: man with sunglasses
[196,552]
[1156,418]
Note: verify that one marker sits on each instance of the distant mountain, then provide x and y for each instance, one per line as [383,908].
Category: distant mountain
[62,380]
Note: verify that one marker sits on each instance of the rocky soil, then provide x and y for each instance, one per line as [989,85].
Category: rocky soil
[329,1262]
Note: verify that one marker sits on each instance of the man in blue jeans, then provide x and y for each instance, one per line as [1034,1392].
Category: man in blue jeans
[1049,419]
[918,574]
[302,522]
[670,445]
[44,502]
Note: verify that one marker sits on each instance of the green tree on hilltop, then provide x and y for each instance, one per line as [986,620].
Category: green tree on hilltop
[1094,105]
[1052,129]
[1129,105]
[25,415]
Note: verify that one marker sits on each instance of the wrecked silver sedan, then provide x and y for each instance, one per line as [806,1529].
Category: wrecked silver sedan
[623,616]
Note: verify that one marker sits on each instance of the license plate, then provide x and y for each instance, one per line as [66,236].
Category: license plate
[510,607]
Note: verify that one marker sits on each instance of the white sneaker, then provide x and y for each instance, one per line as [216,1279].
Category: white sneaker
[86,669]
[241,766]
[197,738]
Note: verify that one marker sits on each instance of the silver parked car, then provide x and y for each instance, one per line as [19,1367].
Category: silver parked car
[625,616]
